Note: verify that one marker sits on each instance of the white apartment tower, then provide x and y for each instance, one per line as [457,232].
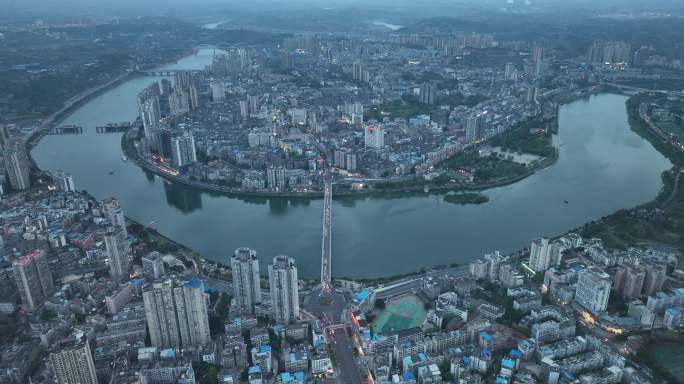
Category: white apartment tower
[73,364]
[116,243]
[177,315]
[246,284]
[282,278]
[593,289]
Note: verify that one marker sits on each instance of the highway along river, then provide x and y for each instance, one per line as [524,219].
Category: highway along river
[603,166]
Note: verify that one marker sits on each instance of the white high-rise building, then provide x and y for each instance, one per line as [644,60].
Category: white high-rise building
[593,289]
[150,114]
[73,364]
[374,137]
[33,278]
[111,209]
[177,315]
[282,279]
[17,165]
[116,243]
[183,150]
[65,182]
[545,254]
[246,284]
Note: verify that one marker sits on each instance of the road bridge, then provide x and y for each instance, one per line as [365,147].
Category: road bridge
[326,246]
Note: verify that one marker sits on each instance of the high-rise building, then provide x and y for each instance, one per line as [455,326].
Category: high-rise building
[177,314]
[17,165]
[183,150]
[609,52]
[511,73]
[64,181]
[544,254]
[275,177]
[244,109]
[150,114]
[33,278]
[593,289]
[179,102]
[183,79]
[474,127]
[73,363]
[282,279]
[4,136]
[194,97]
[218,90]
[538,61]
[111,209]
[655,279]
[153,265]
[374,136]
[629,280]
[427,93]
[246,283]
[360,71]
[166,87]
[116,243]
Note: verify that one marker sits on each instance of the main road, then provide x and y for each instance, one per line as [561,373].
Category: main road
[326,244]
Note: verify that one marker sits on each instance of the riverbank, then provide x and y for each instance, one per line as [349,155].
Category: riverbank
[659,221]
[75,103]
[415,186]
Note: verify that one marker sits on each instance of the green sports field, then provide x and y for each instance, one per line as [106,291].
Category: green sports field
[406,312]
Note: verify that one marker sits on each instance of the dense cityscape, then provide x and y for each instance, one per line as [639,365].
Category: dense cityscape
[302,106]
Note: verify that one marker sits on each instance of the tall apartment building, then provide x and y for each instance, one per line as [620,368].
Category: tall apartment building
[111,209]
[17,165]
[593,289]
[33,278]
[374,136]
[176,314]
[629,280]
[246,284]
[282,278]
[73,364]
[116,243]
[544,254]
[183,150]
[655,279]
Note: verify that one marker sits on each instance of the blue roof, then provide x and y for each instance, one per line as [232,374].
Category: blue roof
[577,268]
[508,363]
[265,348]
[299,375]
[361,296]
[195,282]
[285,377]
[408,360]
[422,356]
[672,311]
[515,353]
[254,369]
[501,380]
[167,353]
[485,336]
[409,376]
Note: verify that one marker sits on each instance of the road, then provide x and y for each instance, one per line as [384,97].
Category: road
[326,244]
[416,282]
[331,309]
[347,370]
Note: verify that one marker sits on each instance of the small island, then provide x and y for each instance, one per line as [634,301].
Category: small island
[466,198]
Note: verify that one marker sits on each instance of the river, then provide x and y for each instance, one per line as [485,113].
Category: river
[603,166]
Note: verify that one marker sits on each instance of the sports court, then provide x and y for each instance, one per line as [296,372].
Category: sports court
[403,313]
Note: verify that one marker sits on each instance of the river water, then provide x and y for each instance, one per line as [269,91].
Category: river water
[603,166]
